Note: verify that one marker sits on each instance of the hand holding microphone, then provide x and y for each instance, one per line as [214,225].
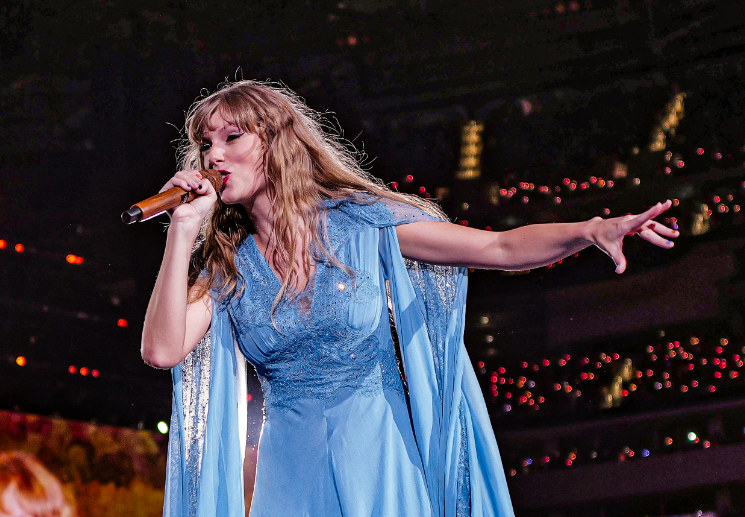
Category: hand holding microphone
[184,187]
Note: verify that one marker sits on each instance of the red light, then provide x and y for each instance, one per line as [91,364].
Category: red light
[20,247]
[700,151]
[3,244]
[567,181]
[494,379]
[464,223]
[712,389]
[394,185]
[481,364]
[71,259]
[625,393]
[546,362]
[121,323]
[409,178]
[21,361]
[84,371]
[72,369]
[249,397]
[593,179]
[78,260]
[501,370]
[94,373]
[422,190]
[488,228]
[681,164]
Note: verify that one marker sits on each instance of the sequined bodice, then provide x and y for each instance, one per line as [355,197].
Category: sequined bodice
[335,334]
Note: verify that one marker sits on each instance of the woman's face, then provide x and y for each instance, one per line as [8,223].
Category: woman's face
[240,153]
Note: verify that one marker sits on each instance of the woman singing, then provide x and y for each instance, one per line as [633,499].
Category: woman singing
[294,266]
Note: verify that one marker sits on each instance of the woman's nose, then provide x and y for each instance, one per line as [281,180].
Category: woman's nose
[215,156]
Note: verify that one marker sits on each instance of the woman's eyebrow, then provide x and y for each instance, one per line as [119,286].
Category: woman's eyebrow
[223,128]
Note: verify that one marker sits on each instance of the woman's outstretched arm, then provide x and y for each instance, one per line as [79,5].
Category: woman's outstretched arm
[529,246]
[173,326]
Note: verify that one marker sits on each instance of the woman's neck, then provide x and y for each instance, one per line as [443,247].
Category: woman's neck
[262,215]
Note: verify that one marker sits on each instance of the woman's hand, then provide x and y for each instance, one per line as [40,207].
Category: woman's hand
[191,214]
[608,234]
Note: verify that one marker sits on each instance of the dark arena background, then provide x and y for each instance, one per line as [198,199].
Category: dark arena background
[609,395]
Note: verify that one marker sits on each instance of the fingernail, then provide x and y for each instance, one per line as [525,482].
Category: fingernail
[669,242]
[199,176]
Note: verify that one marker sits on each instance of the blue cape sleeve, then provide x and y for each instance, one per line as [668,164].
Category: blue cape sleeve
[205,460]
[451,424]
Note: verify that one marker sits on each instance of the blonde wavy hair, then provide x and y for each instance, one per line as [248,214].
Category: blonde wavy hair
[306,161]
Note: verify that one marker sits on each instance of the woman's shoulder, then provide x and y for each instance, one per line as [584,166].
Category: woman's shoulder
[361,212]
[367,210]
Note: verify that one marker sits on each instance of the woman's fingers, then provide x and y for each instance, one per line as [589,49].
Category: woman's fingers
[639,220]
[618,258]
[663,230]
[650,235]
[187,180]
[635,224]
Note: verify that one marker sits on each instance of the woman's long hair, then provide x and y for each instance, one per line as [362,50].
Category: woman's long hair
[306,161]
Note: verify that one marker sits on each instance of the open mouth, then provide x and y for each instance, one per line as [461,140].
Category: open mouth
[225,176]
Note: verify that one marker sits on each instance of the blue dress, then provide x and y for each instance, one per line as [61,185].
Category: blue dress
[341,435]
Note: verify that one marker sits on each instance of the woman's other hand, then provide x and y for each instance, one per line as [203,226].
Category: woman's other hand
[608,234]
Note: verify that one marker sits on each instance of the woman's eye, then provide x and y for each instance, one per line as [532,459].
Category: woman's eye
[205,146]
[234,136]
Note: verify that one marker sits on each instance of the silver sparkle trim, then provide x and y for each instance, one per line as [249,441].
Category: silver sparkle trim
[195,381]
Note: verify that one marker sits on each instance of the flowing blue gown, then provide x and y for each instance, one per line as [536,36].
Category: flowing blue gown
[342,436]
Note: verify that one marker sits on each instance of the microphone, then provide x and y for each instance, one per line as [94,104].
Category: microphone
[171,198]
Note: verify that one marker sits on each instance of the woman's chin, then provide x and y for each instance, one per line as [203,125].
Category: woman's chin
[227,198]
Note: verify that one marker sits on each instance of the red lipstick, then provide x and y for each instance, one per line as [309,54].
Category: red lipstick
[225,176]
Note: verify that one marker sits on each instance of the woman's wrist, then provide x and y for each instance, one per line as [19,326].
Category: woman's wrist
[591,229]
[182,235]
